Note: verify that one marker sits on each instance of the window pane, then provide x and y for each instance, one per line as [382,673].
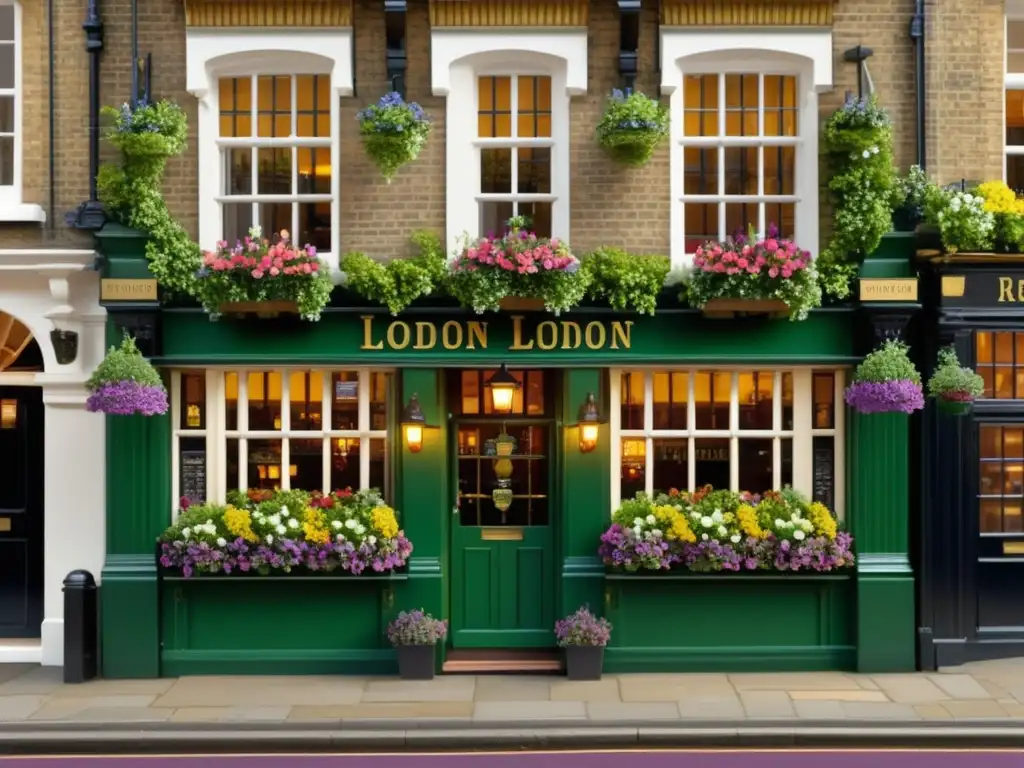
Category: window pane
[631,410]
[1015,173]
[275,171]
[305,398]
[232,480]
[711,399]
[6,161]
[6,114]
[264,400]
[824,385]
[741,101]
[534,170]
[781,216]
[380,396]
[712,462]
[671,391]
[824,471]
[274,217]
[306,468]
[779,170]
[494,218]
[740,217]
[535,395]
[237,221]
[344,463]
[264,464]
[344,401]
[741,170]
[495,171]
[786,446]
[1014,118]
[239,171]
[314,226]
[755,393]
[314,171]
[633,467]
[7,22]
[670,465]
[756,465]
[6,66]
[700,116]
[192,469]
[470,393]
[193,401]
[538,218]
[700,173]
[787,401]
[231,402]
[701,222]
[1004,347]
[378,466]
[495,107]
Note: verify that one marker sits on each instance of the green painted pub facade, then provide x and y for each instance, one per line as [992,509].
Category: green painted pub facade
[683,401]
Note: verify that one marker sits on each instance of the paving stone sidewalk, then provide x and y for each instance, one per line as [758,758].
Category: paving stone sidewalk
[991,693]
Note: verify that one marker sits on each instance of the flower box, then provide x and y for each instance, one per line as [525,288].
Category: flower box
[261,309]
[730,308]
[520,304]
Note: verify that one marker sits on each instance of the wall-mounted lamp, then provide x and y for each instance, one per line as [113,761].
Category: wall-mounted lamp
[503,386]
[859,55]
[65,346]
[413,422]
[589,422]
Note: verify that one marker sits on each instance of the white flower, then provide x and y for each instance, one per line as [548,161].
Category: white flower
[799,535]
[336,524]
[865,154]
[281,530]
[637,522]
[807,525]
[360,530]
[637,530]
[256,232]
[778,522]
[706,521]
[186,532]
[270,539]
[339,538]
[703,537]
[735,538]
[695,515]
[657,533]
[874,150]
[351,524]
[372,540]
[209,522]
[717,516]
[221,542]
[274,519]
[293,523]
[651,519]
[795,517]
[722,531]
[284,511]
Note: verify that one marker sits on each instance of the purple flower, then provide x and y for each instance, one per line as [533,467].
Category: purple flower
[125,398]
[583,628]
[901,396]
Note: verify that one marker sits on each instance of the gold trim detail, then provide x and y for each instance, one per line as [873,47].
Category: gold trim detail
[501,534]
[5,525]
[117,289]
[268,13]
[888,289]
[746,13]
[1013,547]
[953,286]
[509,13]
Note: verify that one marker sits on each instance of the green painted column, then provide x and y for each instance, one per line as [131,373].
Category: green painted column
[879,516]
[585,479]
[423,497]
[138,510]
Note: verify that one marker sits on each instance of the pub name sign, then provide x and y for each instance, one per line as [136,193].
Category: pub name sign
[473,335]
[983,290]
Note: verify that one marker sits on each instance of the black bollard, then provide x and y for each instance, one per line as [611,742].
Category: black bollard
[80,640]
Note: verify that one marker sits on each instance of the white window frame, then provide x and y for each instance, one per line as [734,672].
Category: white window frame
[1012,81]
[807,55]
[213,54]
[458,59]
[217,434]
[802,435]
[12,207]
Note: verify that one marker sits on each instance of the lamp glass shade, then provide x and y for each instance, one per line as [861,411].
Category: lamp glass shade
[503,386]
[414,437]
[589,421]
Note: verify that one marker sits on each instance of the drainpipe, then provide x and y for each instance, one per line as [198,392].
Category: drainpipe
[53,147]
[917,35]
[90,215]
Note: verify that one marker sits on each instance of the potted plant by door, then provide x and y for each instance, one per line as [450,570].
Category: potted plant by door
[954,387]
[414,635]
[583,636]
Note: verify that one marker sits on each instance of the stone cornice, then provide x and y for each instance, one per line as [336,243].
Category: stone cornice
[509,13]
[268,13]
[746,13]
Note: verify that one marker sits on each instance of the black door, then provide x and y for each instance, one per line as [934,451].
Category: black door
[21,511]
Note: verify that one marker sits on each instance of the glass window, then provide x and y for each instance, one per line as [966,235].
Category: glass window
[8,91]
[514,135]
[746,430]
[999,360]
[1001,478]
[275,138]
[1014,141]
[740,142]
[317,430]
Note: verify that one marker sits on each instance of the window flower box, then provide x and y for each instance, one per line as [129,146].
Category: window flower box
[730,308]
[261,309]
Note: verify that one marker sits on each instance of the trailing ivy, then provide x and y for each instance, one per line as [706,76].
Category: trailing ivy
[627,281]
[398,283]
[146,136]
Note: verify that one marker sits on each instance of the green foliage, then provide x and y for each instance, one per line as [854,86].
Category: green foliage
[627,281]
[961,218]
[393,132]
[951,377]
[912,189]
[863,185]
[398,283]
[130,190]
[124,363]
[632,127]
[890,362]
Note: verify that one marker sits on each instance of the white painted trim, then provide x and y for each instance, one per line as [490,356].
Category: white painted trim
[11,208]
[458,58]
[28,651]
[804,54]
[21,212]
[215,53]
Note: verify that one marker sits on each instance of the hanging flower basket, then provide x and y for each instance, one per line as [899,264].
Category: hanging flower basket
[955,407]
[632,127]
[954,387]
[126,384]
[393,132]
[886,382]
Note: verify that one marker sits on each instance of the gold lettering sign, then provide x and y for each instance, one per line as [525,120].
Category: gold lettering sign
[888,289]
[117,289]
[1011,291]
[472,335]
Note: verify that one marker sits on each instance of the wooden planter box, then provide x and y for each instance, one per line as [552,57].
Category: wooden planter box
[264,309]
[729,308]
[520,304]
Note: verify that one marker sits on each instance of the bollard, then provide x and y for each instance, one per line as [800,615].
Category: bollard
[80,640]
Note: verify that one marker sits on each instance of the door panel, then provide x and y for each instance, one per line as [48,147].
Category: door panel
[21,511]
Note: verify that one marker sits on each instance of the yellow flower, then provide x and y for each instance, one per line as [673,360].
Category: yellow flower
[674,524]
[747,517]
[384,522]
[239,523]
[314,526]
[824,523]
[999,198]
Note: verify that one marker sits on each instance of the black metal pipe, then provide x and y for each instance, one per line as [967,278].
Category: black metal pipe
[917,35]
[93,27]
[53,120]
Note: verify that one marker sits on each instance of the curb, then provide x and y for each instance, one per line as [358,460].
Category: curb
[150,738]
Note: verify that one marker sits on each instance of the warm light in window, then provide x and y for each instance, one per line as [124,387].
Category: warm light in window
[277,422]
[193,417]
[293,470]
[274,472]
[8,414]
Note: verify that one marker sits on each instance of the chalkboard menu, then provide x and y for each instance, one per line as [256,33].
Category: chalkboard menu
[824,471]
[193,476]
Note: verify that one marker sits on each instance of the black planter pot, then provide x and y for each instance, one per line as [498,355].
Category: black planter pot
[906,218]
[416,662]
[584,662]
[65,346]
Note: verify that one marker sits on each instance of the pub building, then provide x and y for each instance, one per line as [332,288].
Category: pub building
[601,404]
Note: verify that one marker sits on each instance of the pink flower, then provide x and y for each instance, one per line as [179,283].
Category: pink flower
[257,274]
[771,244]
[787,273]
[773,272]
[274,271]
[307,268]
[315,266]
[742,263]
[548,264]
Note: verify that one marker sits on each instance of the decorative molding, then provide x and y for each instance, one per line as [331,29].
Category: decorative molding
[268,13]
[509,13]
[746,13]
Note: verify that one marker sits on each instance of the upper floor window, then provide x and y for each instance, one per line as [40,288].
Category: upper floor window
[1014,83]
[8,93]
[740,135]
[276,141]
[514,136]
[999,360]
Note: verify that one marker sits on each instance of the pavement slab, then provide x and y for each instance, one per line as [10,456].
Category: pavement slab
[767,704]
[960,686]
[793,681]
[632,711]
[910,689]
[260,691]
[510,711]
[512,688]
[447,688]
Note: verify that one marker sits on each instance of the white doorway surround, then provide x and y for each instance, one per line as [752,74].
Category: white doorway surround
[48,289]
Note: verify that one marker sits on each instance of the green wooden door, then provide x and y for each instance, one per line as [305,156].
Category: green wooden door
[503,590]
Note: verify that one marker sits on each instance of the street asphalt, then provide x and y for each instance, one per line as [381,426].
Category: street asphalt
[605,759]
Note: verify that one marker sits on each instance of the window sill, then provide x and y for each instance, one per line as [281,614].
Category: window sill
[22,213]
